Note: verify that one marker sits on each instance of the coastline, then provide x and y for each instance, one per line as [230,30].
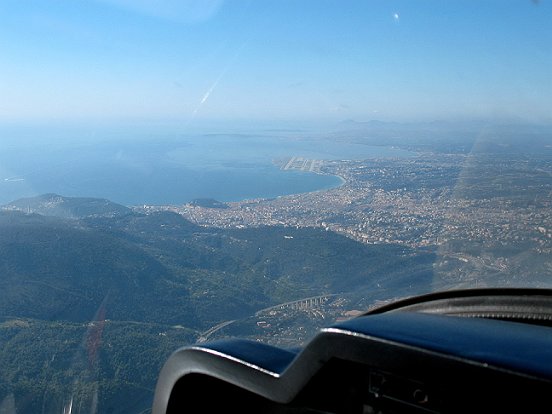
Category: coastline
[341,183]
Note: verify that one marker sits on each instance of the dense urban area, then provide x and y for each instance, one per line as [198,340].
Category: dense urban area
[425,200]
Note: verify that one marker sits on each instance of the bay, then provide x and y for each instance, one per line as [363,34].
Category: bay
[173,169]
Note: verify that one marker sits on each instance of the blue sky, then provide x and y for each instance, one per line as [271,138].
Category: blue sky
[191,61]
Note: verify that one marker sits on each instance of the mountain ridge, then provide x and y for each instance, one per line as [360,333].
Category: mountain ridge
[51,204]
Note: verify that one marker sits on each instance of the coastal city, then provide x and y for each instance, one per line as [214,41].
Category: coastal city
[422,201]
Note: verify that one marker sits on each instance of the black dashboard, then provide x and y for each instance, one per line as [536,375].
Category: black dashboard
[453,352]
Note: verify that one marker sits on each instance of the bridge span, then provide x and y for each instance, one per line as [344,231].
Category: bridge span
[305,303]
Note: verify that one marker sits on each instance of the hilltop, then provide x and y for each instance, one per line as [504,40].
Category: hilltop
[67,207]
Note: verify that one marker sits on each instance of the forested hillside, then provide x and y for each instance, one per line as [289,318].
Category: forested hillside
[109,293]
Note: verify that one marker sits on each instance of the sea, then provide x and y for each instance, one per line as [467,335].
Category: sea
[170,169]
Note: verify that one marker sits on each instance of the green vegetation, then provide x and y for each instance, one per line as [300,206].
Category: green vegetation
[91,307]
[45,364]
